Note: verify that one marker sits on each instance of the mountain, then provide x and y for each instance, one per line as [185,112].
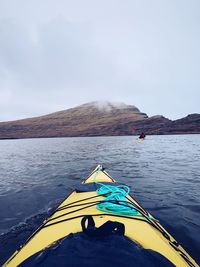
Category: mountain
[96,119]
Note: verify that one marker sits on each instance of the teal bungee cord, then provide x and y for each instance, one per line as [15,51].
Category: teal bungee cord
[115,198]
[115,201]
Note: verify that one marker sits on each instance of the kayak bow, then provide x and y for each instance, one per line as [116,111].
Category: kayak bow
[84,202]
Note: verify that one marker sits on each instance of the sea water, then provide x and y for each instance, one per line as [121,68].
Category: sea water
[163,172]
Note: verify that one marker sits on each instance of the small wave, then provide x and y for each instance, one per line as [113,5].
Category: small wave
[17,235]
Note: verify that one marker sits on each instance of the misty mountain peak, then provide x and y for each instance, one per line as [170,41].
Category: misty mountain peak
[107,106]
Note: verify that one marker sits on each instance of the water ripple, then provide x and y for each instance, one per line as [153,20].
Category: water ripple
[163,172]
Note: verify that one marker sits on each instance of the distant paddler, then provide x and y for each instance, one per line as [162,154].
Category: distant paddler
[142,136]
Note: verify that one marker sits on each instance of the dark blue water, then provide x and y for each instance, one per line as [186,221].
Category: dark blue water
[163,172]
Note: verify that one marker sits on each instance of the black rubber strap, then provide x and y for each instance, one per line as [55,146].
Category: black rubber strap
[105,229]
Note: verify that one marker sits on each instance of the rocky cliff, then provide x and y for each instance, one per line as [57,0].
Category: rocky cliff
[96,119]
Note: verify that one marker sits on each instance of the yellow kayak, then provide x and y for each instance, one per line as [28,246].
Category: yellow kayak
[95,213]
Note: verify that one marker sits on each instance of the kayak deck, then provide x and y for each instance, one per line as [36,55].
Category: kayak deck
[144,229]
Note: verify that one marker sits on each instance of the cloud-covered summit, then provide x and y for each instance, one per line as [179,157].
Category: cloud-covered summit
[108,106]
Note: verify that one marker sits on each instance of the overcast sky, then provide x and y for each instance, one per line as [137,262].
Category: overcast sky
[56,54]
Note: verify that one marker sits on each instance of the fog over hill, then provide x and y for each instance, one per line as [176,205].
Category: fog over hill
[98,119]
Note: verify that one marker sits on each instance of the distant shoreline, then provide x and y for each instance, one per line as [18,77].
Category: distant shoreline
[135,135]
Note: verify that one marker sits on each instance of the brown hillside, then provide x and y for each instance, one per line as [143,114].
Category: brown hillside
[96,119]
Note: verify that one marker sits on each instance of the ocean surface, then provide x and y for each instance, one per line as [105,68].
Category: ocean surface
[163,172]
